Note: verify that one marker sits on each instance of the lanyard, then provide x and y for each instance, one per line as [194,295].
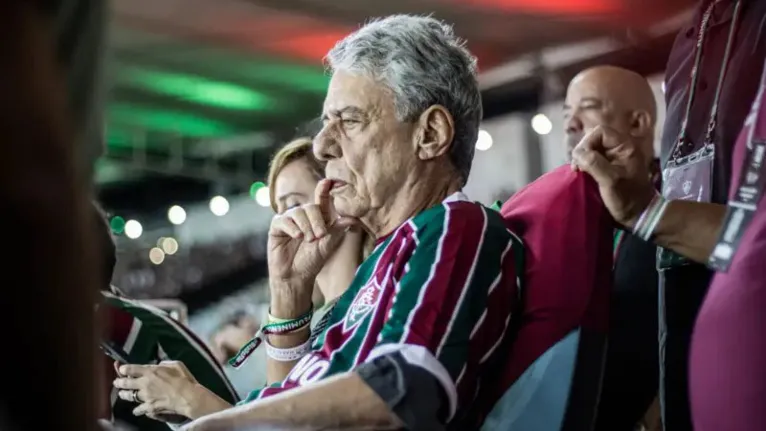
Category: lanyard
[750,186]
[683,143]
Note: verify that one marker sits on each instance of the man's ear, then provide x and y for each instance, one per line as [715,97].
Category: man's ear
[436,129]
[641,124]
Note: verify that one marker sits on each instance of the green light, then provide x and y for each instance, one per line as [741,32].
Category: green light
[255,187]
[304,78]
[117,138]
[169,121]
[117,224]
[197,89]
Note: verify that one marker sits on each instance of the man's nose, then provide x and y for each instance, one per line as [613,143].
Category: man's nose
[573,125]
[325,145]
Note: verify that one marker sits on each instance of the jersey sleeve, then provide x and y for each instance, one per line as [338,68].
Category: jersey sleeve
[455,292]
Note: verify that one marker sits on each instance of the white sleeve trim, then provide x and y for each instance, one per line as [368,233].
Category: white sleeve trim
[421,357]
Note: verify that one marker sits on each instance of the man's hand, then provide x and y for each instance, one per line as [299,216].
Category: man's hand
[620,169]
[301,241]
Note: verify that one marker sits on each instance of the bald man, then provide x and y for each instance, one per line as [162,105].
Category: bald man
[623,100]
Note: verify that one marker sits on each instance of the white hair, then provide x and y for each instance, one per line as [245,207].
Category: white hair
[423,63]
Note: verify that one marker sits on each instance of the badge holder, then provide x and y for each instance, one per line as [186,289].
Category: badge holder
[688,178]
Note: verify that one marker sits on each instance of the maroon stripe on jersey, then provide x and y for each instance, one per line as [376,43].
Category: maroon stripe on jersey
[269,391]
[400,253]
[404,253]
[336,337]
[438,301]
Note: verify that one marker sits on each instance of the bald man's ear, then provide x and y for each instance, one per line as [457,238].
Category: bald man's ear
[641,124]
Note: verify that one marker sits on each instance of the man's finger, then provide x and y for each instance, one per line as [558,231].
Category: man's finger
[344,223]
[317,220]
[301,219]
[322,194]
[595,164]
[132,370]
[285,226]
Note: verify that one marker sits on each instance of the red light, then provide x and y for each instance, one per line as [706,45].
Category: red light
[548,7]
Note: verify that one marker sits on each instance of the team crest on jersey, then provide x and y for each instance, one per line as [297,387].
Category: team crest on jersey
[365,301]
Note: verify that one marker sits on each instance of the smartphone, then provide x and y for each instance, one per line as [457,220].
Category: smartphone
[115,352]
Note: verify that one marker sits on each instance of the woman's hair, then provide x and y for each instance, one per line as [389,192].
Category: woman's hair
[299,149]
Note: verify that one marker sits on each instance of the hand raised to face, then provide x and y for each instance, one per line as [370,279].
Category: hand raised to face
[302,239]
[620,169]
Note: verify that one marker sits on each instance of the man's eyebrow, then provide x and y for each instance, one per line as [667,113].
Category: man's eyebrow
[591,100]
[354,110]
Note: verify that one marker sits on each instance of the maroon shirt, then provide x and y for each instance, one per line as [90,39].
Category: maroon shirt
[728,354]
[683,289]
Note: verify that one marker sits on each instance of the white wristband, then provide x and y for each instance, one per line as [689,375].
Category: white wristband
[289,354]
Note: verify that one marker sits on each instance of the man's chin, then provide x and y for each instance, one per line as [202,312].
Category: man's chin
[345,207]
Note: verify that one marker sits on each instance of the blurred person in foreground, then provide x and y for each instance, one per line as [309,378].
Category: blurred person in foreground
[727,376]
[412,339]
[45,195]
[294,174]
[711,78]
[622,99]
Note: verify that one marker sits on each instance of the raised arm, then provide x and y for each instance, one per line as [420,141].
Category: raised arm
[287,302]
[688,228]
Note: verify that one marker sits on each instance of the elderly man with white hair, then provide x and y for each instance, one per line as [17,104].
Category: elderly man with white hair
[410,344]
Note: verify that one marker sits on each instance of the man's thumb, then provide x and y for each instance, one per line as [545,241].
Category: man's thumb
[344,223]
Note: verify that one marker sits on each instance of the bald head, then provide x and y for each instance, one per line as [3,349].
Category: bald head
[615,97]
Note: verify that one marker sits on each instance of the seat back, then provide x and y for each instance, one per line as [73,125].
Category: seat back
[551,374]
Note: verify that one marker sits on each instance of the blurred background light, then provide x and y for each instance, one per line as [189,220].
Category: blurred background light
[219,205]
[541,124]
[133,229]
[484,141]
[156,256]
[177,215]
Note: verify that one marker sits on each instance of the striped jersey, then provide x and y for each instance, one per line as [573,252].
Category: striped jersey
[149,335]
[440,289]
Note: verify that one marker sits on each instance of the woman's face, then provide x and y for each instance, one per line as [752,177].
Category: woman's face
[294,185]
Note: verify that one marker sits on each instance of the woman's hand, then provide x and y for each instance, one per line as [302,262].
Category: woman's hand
[302,240]
[164,390]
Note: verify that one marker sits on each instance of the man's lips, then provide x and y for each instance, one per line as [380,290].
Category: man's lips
[337,185]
